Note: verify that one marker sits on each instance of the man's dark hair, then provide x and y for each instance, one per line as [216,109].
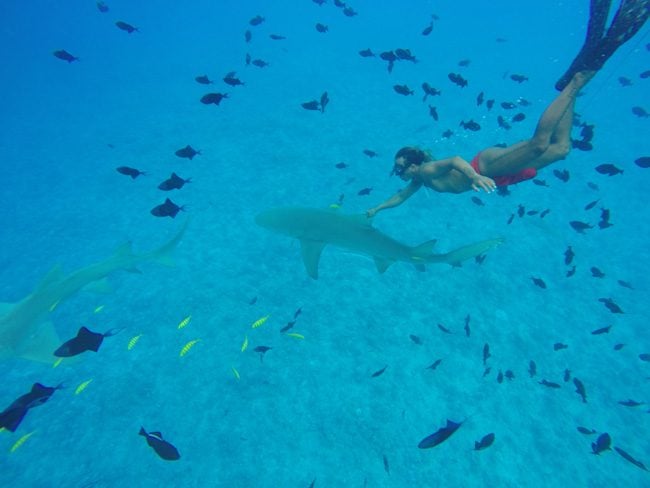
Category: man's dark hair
[412,155]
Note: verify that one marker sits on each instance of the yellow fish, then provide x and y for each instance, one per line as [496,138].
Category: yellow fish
[98,309]
[53,306]
[184,322]
[235,372]
[57,362]
[133,342]
[244,346]
[295,335]
[20,441]
[335,206]
[187,347]
[260,322]
[82,387]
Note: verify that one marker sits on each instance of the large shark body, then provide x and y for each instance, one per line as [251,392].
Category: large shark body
[24,329]
[316,228]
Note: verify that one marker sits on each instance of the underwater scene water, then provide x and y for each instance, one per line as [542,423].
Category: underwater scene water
[513,353]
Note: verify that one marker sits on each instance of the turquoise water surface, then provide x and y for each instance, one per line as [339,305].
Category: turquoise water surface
[312,410]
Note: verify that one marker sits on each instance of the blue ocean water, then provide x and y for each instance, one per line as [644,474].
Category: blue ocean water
[312,409]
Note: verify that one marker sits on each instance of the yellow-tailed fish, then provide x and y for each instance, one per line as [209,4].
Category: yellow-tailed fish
[244,346]
[98,309]
[184,322]
[133,342]
[82,387]
[187,347]
[235,372]
[260,322]
[335,206]
[57,362]
[295,335]
[20,441]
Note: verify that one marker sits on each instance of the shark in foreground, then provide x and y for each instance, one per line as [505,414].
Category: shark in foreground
[316,228]
[24,327]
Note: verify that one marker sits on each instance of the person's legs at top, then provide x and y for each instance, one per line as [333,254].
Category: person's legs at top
[550,141]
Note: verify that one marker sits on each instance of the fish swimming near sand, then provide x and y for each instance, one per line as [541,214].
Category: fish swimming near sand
[317,228]
[25,330]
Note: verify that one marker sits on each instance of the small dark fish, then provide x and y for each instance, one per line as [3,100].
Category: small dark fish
[287,327]
[645,74]
[644,357]
[486,353]
[297,313]
[538,282]
[257,20]
[248,59]
[643,162]
[522,102]
[625,284]
[13,415]
[65,56]
[428,29]
[591,205]
[405,55]
[608,169]
[85,340]
[512,217]
[415,339]
[580,389]
[277,37]
[213,98]
[518,117]
[567,375]
[604,219]
[232,80]
[126,27]
[364,191]
[479,99]
[568,255]
[518,78]
[485,442]
[603,443]
[433,112]
[619,346]
[602,330]
[580,227]
[444,329]
[549,384]
[521,210]
[260,63]
[478,201]
[470,125]
[611,305]
[167,209]
[311,105]
[558,346]
[322,28]
[464,63]
[174,182]
[544,213]
[262,350]
[163,448]
[370,153]
[489,104]
[508,105]
[102,7]
[630,403]
[341,165]
[624,81]
[403,89]
[388,56]
[509,374]
[253,301]
[203,80]
[596,273]
[502,123]
[466,328]
[479,260]
[187,152]
[128,171]
[640,112]
[324,100]
[379,372]
[581,145]
[435,364]
[248,35]
[500,377]
[366,53]
[629,458]
[448,133]
[349,11]
[457,79]
[440,435]
[586,431]
[532,368]
[539,182]
[561,175]
[487,371]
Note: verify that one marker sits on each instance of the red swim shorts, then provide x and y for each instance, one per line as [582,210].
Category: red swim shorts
[523,175]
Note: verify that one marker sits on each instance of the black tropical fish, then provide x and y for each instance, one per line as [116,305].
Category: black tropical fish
[65,55]
[166,209]
[126,27]
[13,415]
[128,171]
[163,448]
[440,435]
[85,340]
[174,182]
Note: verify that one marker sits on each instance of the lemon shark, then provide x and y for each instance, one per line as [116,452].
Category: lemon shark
[317,228]
[24,327]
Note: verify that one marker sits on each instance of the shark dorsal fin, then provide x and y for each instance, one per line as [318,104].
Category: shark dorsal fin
[424,249]
[125,250]
[52,276]
[311,251]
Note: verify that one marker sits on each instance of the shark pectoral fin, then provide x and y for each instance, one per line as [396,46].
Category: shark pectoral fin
[382,264]
[311,251]
[100,286]
[41,345]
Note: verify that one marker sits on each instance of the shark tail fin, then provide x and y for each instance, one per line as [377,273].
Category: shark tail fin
[163,255]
